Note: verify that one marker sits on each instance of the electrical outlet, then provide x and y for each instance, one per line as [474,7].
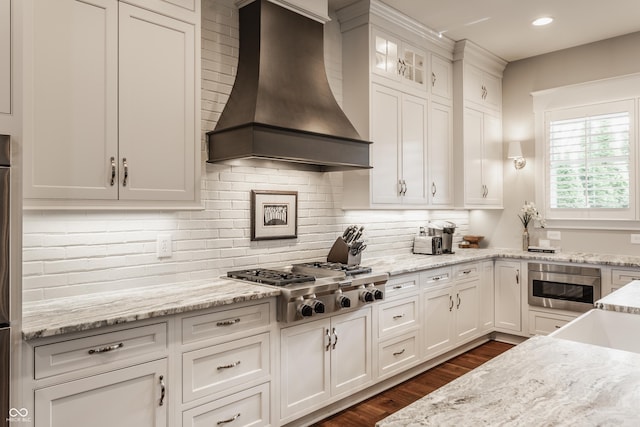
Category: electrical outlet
[553,235]
[635,239]
[163,246]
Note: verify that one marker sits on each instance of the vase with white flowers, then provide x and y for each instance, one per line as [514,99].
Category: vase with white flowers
[528,214]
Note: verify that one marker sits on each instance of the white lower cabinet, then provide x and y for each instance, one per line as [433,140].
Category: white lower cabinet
[323,360]
[451,310]
[130,397]
[508,296]
[543,323]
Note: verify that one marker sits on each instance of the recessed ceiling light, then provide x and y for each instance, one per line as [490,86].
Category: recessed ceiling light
[545,20]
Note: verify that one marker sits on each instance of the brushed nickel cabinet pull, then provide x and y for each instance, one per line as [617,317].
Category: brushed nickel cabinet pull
[398,353]
[230,365]
[230,420]
[162,390]
[328,347]
[126,171]
[335,334]
[106,349]
[459,301]
[451,303]
[433,79]
[400,316]
[517,276]
[113,171]
[228,322]
[433,189]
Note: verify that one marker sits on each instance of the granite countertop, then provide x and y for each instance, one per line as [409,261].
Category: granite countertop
[400,264]
[624,300]
[73,314]
[79,313]
[542,382]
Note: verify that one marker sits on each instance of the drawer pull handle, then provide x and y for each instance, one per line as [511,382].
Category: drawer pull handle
[335,334]
[328,347]
[106,349]
[228,322]
[113,171]
[126,172]
[558,326]
[451,303]
[466,272]
[436,278]
[459,301]
[230,420]
[162,390]
[399,316]
[230,365]
[398,353]
[397,287]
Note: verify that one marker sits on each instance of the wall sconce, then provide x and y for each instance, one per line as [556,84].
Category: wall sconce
[515,153]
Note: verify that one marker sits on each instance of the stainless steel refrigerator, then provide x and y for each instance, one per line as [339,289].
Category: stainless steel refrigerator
[5,319]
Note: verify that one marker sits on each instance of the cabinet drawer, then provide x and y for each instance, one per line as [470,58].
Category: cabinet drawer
[214,369]
[401,285]
[439,277]
[247,408]
[224,323]
[622,277]
[98,350]
[541,323]
[395,354]
[397,316]
[466,271]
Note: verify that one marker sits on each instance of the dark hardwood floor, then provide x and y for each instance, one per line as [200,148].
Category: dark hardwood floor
[372,410]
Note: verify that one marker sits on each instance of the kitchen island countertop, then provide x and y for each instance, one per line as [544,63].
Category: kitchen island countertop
[624,300]
[542,382]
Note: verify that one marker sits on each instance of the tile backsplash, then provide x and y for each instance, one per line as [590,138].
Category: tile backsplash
[71,253]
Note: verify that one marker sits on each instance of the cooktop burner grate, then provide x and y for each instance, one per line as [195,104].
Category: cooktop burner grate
[270,277]
[334,266]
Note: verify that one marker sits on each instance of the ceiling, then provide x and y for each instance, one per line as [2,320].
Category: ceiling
[504,26]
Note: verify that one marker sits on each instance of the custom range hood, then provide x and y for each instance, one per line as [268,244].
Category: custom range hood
[281,106]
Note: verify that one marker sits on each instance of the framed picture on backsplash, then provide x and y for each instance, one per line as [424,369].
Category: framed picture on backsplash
[274,215]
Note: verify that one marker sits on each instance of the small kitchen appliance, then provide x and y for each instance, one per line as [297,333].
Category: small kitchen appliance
[445,230]
[318,289]
[428,245]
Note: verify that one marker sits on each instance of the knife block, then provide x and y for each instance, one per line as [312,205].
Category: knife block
[341,252]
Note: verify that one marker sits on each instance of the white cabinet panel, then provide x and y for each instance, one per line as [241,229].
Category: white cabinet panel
[508,296]
[157,105]
[441,77]
[385,132]
[351,352]
[413,145]
[440,157]
[72,120]
[5,56]
[129,397]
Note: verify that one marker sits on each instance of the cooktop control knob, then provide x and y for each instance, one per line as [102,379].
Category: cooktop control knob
[377,294]
[367,296]
[318,306]
[344,302]
[305,310]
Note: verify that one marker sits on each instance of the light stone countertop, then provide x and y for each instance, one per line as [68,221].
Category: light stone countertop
[84,312]
[624,300]
[73,314]
[542,382]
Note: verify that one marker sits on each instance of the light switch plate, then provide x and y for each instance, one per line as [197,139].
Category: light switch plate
[635,239]
[163,246]
[554,235]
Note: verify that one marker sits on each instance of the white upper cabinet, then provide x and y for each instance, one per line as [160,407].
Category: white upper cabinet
[398,60]
[394,100]
[5,57]
[111,99]
[478,126]
[441,78]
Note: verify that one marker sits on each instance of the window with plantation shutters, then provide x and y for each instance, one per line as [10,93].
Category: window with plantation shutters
[590,161]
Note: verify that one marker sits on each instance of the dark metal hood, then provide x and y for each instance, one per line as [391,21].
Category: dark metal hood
[281,106]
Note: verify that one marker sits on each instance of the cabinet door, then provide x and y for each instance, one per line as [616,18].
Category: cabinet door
[304,366]
[508,302]
[438,309]
[385,55]
[441,77]
[492,161]
[385,134]
[130,397]
[414,147]
[486,296]
[351,351]
[473,84]
[493,91]
[467,310]
[440,157]
[5,56]
[473,133]
[412,66]
[157,106]
[71,99]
